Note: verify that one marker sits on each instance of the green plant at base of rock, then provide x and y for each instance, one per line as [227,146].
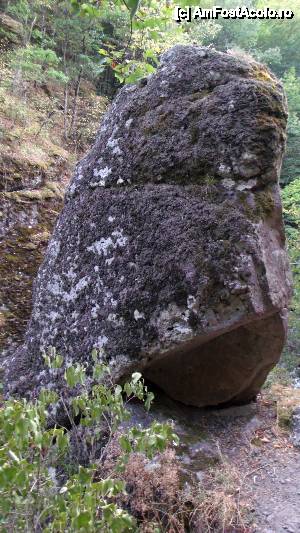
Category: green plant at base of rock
[278,375]
[287,400]
[37,492]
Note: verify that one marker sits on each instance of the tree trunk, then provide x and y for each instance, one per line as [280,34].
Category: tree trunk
[66,98]
[75,103]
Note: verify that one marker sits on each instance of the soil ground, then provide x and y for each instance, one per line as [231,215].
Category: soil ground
[252,445]
[269,467]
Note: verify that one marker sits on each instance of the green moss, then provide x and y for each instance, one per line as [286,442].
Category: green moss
[278,375]
[261,74]
[49,191]
[194,134]
[152,129]
[284,416]
[9,37]
[199,94]
[264,203]
[287,399]
[22,252]
[11,258]
[161,124]
[250,213]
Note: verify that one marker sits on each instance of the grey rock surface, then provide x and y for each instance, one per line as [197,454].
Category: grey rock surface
[170,251]
[295,436]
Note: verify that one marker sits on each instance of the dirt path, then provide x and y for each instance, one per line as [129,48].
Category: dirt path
[275,489]
[249,441]
[269,466]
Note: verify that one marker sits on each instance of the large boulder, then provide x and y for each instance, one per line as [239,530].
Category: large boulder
[170,251]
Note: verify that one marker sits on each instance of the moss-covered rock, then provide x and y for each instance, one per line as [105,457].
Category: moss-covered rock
[170,252]
[11,31]
[35,166]
[29,222]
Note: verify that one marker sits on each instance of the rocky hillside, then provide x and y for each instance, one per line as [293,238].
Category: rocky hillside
[36,163]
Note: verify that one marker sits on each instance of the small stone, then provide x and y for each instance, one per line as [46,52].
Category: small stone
[200,476]
[295,436]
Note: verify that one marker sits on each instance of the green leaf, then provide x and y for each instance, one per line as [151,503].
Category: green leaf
[47,397]
[58,359]
[102,52]
[125,444]
[99,371]
[62,441]
[149,54]
[13,456]
[83,520]
[128,389]
[84,475]
[75,375]
[95,355]
[136,376]
[133,6]
[8,474]
[149,400]
[118,390]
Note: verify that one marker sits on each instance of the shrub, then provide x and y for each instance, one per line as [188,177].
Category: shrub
[41,489]
[37,64]
[291,211]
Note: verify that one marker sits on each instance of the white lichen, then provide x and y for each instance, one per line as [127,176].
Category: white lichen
[137,315]
[74,292]
[244,185]
[128,123]
[191,302]
[53,249]
[102,173]
[228,183]
[102,246]
[114,145]
[94,311]
[115,319]
[101,341]
[54,286]
[224,170]
[109,299]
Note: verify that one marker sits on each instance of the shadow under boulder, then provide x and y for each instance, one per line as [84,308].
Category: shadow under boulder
[230,368]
